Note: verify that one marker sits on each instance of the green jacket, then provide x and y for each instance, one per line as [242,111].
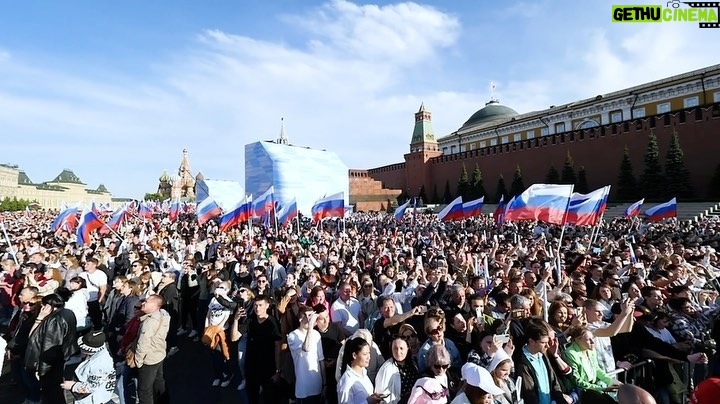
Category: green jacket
[586,372]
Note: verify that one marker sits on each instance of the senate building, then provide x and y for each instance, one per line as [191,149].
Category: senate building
[594,131]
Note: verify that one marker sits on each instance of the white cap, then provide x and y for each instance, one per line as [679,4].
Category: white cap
[499,356]
[477,376]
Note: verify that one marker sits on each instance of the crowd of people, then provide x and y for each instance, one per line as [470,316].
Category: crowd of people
[366,309]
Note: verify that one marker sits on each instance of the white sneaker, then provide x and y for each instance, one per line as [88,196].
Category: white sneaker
[181,331]
[241,386]
[192,334]
[173,351]
[226,381]
[216,382]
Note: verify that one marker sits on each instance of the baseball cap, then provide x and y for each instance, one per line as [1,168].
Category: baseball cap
[478,376]
[706,392]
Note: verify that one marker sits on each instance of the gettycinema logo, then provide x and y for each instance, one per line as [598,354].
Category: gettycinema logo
[704,13]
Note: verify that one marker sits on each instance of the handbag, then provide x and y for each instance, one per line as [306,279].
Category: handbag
[130,358]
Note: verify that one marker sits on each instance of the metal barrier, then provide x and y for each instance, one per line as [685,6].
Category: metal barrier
[639,367]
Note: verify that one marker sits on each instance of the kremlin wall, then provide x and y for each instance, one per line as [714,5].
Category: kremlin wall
[594,131]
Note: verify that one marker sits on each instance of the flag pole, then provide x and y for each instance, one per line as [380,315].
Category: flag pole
[558,262]
[114,232]
[7,239]
[275,221]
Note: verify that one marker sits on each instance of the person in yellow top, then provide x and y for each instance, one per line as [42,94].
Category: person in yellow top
[586,371]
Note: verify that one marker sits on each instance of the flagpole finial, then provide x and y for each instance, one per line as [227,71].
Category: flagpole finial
[492,91]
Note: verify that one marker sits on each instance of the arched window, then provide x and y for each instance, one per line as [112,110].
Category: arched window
[588,123]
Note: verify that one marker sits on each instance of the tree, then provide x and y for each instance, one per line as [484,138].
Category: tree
[568,171]
[653,182]
[435,194]
[423,196]
[447,196]
[13,204]
[714,190]
[501,190]
[627,186]
[517,187]
[677,177]
[402,198]
[553,176]
[463,187]
[153,197]
[582,184]
[477,183]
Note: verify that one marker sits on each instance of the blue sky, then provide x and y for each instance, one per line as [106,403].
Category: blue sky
[116,90]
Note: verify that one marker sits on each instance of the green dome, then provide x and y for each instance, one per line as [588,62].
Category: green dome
[492,112]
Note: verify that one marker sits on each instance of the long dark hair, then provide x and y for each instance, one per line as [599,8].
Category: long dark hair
[353,346]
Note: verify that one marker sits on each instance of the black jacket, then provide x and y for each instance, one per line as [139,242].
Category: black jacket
[172,299]
[528,390]
[124,313]
[53,342]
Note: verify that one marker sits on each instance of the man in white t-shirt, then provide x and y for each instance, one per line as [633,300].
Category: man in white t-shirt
[96,282]
[306,349]
[346,310]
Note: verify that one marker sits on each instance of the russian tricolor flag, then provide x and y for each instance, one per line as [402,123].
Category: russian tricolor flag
[145,211]
[546,202]
[453,211]
[634,209]
[206,210]
[499,214]
[662,211]
[288,213]
[400,211]
[117,218]
[331,206]
[473,208]
[264,204]
[89,221]
[174,210]
[585,209]
[239,213]
[66,220]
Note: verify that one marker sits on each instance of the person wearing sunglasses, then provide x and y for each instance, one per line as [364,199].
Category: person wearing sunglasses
[435,329]
[19,331]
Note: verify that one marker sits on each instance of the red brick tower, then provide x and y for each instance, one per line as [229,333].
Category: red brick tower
[423,147]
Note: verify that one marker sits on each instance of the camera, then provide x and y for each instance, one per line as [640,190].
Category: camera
[673,4]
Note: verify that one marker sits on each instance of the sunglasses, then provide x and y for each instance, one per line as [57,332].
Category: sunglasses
[242,290]
[437,331]
[436,395]
[440,367]
[367,286]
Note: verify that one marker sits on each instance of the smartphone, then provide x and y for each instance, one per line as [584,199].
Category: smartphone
[517,313]
[501,338]
[596,250]
[625,296]
[578,311]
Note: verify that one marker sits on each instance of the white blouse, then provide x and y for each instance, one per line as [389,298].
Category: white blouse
[354,388]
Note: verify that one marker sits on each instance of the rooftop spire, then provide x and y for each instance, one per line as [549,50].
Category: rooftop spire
[282,139]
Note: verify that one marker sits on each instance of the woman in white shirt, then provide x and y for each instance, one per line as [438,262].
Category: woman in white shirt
[77,302]
[355,386]
[398,374]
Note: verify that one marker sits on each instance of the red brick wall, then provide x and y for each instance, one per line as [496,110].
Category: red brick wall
[391,176]
[600,154]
